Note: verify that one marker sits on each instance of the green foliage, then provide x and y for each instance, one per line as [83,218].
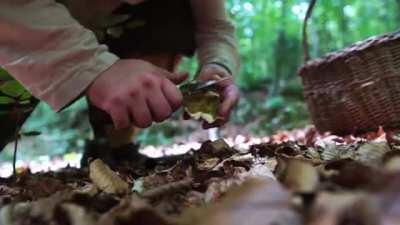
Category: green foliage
[4,75]
[4,100]
[269,33]
[11,91]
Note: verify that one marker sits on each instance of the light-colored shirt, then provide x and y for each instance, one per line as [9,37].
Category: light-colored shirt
[56,58]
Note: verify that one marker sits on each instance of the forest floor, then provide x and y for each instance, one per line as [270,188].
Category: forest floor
[298,177]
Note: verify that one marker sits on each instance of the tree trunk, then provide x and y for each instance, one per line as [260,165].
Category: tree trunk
[280,50]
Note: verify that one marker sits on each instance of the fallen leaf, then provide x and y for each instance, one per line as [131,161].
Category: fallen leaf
[365,211]
[371,153]
[334,151]
[217,148]
[76,215]
[89,189]
[132,211]
[255,202]
[328,207]
[298,175]
[355,175]
[208,164]
[391,161]
[264,150]
[106,179]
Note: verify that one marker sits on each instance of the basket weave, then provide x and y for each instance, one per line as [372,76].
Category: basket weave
[356,89]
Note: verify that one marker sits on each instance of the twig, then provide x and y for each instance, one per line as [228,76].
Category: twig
[16,136]
[15,155]
[168,188]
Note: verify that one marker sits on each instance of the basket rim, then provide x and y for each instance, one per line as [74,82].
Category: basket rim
[349,51]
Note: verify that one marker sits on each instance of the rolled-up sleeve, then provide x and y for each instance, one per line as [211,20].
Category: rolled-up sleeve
[215,37]
[48,51]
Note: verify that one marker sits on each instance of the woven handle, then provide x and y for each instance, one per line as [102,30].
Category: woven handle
[306,50]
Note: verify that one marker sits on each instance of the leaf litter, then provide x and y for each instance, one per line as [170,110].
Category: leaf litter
[298,177]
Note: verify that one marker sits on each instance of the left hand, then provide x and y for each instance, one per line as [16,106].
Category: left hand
[227,89]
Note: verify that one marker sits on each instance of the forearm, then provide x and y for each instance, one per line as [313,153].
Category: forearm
[50,53]
[215,35]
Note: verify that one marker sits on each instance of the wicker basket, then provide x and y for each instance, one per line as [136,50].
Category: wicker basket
[356,89]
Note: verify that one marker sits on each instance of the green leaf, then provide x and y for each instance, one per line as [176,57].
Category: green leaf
[4,100]
[24,102]
[4,75]
[26,95]
[12,88]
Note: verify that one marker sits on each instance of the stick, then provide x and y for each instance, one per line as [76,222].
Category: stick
[16,136]
[168,188]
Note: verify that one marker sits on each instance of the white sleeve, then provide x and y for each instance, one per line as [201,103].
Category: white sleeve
[48,51]
[215,35]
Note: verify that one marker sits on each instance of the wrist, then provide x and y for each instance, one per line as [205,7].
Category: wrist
[210,70]
[221,65]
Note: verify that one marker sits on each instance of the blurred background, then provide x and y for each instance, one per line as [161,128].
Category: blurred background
[269,37]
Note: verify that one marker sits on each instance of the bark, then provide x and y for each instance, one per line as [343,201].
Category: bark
[280,50]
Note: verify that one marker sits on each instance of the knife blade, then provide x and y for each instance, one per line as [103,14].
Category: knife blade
[198,86]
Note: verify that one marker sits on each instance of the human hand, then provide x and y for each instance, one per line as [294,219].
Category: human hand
[227,89]
[136,93]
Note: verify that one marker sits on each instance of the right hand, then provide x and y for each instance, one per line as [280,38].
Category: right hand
[136,93]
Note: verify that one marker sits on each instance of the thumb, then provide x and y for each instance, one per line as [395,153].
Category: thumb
[178,78]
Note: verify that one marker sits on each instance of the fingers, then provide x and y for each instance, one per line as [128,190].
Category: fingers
[141,114]
[177,78]
[159,106]
[212,72]
[172,94]
[230,99]
[120,117]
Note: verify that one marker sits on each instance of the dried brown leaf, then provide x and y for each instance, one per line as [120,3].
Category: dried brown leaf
[391,161]
[299,175]
[264,150]
[328,207]
[89,189]
[313,154]
[218,148]
[364,211]
[333,151]
[106,179]
[132,211]
[12,214]
[371,153]
[255,202]
[208,164]
[355,175]
[288,149]
[76,215]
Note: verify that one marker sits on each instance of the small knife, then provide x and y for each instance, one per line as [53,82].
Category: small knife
[198,86]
